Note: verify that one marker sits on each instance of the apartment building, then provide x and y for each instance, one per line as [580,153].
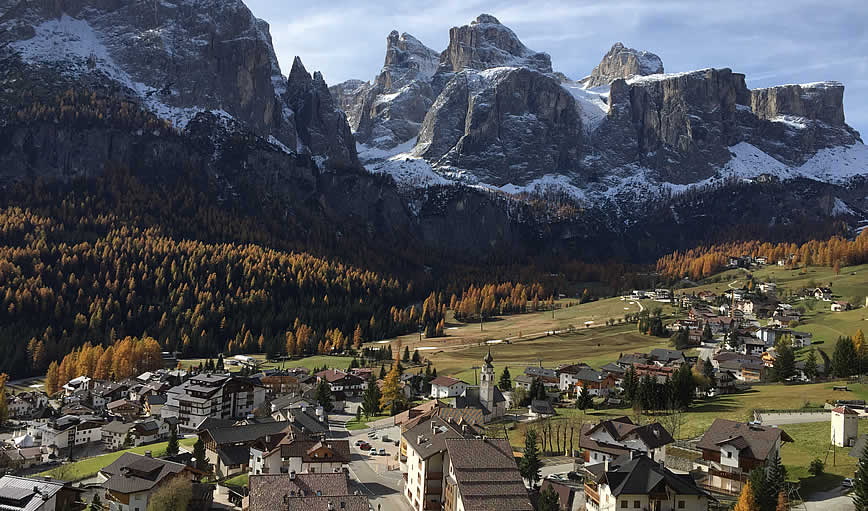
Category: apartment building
[212,395]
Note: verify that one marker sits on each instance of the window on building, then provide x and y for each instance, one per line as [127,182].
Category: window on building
[636,504]
[624,504]
[680,504]
[729,454]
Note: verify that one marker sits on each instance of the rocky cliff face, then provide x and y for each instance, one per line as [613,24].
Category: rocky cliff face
[680,125]
[628,132]
[621,62]
[176,57]
[821,101]
[322,128]
[505,125]
[484,44]
[389,111]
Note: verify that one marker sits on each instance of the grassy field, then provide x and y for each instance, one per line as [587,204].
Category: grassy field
[354,425]
[526,339]
[732,406]
[594,346]
[239,480]
[89,467]
[307,362]
[812,441]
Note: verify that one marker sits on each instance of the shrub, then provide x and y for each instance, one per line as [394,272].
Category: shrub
[816,467]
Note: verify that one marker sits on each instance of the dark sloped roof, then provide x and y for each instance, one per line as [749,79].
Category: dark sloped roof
[542,406]
[132,473]
[444,381]
[267,491]
[641,475]
[432,440]
[246,433]
[337,503]
[752,441]
[234,455]
[487,475]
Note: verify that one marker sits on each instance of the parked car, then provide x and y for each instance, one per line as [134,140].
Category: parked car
[382,452]
[365,446]
[847,483]
[359,442]
[372,452]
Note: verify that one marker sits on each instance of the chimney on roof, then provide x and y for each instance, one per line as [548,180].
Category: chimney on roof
[292,475]
[331,506]
[148,454]
[605,464]
[419,439]
[433,427]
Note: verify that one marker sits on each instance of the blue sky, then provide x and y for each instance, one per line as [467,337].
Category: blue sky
[771,42]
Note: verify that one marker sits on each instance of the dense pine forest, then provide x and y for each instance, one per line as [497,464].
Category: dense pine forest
[79,269]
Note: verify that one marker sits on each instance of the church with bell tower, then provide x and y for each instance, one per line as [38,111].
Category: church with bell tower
[485,397]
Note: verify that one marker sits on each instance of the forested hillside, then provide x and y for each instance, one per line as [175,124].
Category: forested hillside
[707,260]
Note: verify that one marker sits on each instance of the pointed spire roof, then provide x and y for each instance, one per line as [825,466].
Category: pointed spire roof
[488,358]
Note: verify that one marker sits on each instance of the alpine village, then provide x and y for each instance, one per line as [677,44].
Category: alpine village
[473,282]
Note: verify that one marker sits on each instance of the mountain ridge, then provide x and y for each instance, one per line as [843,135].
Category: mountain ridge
[527,162]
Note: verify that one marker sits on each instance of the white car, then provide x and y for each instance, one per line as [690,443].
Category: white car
[847,483]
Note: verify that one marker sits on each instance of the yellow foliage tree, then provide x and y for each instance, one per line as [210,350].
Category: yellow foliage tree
[746,502]
[391,391]
[51,378]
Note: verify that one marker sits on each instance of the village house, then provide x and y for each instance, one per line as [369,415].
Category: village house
[38,494]
[540,409]
[124,409]
[840,306]
[597,383]
[609,439]
[823,293]
[340,381]
[548,377]
[69,431]
[637,482]
[293,452]
[445,387]
[131,480]
[25,403]
[768,288]
[303,492]
[730,450]
[140,432]
[227,447]
[567,376]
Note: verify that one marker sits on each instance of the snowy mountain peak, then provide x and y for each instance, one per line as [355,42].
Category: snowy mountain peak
[623,62]
[406,59]
[485,19]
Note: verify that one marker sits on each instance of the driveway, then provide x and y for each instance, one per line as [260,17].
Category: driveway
[832,500]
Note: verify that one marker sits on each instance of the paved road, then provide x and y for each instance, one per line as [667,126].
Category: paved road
[370,473]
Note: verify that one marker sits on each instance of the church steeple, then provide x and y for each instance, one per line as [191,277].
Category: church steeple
[486,382]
